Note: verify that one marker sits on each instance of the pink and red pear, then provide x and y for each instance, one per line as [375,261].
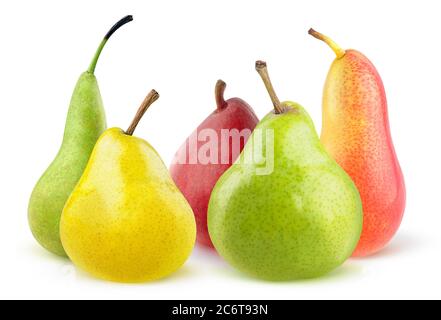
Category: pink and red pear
[210,151]
[356,133]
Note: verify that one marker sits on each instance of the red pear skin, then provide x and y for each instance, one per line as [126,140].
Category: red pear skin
[197,180]
[356,133]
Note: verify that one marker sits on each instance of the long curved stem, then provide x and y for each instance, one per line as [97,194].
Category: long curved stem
[112,30]
[340,53]
[262,69]
[148,101]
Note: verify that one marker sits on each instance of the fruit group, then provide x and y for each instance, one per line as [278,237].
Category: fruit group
[356,133]
[231,123]
[85,122]
[300,221]
[126,220]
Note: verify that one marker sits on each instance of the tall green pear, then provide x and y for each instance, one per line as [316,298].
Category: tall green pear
[301,217]
[86,121]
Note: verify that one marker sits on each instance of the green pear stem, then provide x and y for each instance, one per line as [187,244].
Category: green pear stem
[148,101]
[262,69]
[340,53]
[103,43]
[219,93]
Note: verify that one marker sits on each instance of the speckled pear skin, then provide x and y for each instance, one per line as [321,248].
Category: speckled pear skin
[302,221]
[237,115]
[126,221]
[356,133]
[85,123]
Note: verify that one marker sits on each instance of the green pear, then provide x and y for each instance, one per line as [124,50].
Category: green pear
[300,220]
[85,123]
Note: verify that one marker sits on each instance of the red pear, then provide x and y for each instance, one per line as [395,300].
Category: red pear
[211,149]
[356,133]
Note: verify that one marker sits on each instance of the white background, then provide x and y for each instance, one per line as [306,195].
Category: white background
[181,48]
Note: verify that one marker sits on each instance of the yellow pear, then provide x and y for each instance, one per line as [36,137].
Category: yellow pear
[126,221]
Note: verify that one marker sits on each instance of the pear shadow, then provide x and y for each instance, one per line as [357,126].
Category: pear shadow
[228,271]
[208,251]
[219,266]
[347,270]
[401,244]
[211,259]
[41,253]
[208,254]
[184,272]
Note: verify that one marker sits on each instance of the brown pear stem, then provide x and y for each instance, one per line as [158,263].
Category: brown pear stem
[148,101]
[262,69]
[339,52]
[219,93]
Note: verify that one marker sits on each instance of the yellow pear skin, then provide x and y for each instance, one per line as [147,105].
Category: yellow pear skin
[126,221]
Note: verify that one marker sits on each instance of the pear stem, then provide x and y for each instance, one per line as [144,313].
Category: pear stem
[219,93]
[340,53]
[148,101]
[103,43]
[262,69]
